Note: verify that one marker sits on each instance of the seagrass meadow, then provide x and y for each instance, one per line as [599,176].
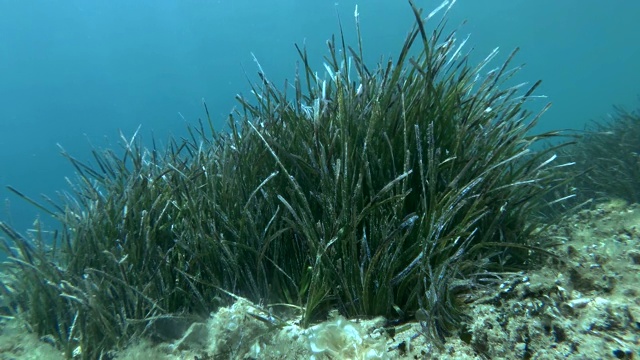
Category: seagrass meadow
[386,190]
[607,158]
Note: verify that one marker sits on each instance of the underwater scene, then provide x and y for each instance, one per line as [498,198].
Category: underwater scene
[389,179]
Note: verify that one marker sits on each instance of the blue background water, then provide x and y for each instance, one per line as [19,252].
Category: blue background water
[76,72]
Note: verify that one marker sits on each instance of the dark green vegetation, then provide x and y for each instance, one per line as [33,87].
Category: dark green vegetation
[380,191]
[607,158]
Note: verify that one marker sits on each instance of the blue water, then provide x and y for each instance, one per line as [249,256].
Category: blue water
[77,72]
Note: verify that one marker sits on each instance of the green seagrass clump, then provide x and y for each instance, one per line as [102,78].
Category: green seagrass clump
[385,190]
[607,158]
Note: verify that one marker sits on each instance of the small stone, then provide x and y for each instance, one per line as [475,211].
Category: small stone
[635,256]
[521,350]
[579,303]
